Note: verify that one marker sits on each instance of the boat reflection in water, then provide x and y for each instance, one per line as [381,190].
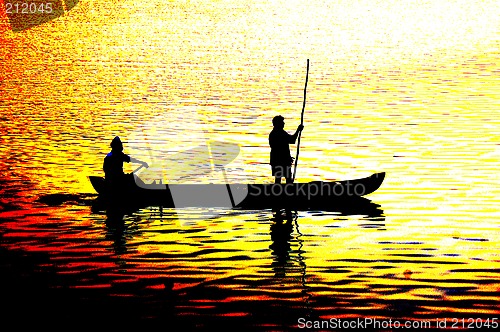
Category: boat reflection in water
[280,280]
[214,266]
[295,263]
[285,229]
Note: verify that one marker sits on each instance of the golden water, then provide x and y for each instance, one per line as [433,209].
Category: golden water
[409,88]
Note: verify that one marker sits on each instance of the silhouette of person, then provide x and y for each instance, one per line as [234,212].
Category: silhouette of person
[281,235]
[279,141]
[113,162]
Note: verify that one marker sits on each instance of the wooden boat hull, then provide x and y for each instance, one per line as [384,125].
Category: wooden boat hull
[258,196]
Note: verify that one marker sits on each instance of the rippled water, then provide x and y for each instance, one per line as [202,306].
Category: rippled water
[410,90]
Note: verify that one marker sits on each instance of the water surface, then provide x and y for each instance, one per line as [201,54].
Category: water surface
[410,90]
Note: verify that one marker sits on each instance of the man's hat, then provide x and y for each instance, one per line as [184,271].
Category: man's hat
[116,142]
[278,119]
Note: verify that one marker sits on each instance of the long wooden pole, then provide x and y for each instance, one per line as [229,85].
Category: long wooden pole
[301,122]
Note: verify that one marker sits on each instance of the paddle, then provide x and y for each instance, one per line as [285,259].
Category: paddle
[301,122]
[138,168]
[222,154]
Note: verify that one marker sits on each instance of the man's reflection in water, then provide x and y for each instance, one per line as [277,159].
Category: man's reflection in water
[120,229]
[281,235]
[288,260]
[115,226]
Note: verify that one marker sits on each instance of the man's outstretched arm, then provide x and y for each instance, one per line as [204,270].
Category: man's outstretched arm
[296,134]
[137,161]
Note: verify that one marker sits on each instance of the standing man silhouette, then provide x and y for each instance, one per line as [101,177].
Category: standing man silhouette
[279,141]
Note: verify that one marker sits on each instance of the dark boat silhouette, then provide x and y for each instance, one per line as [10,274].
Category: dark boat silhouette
[311,195]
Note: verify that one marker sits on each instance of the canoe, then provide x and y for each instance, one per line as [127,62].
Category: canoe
[259,196]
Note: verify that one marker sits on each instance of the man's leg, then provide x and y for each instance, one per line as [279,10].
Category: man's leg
[288,174]
[278,173]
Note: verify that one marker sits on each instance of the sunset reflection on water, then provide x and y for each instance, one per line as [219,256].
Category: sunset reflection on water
[410,89]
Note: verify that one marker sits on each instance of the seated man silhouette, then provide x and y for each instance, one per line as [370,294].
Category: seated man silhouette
[279,141]
[113,165]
